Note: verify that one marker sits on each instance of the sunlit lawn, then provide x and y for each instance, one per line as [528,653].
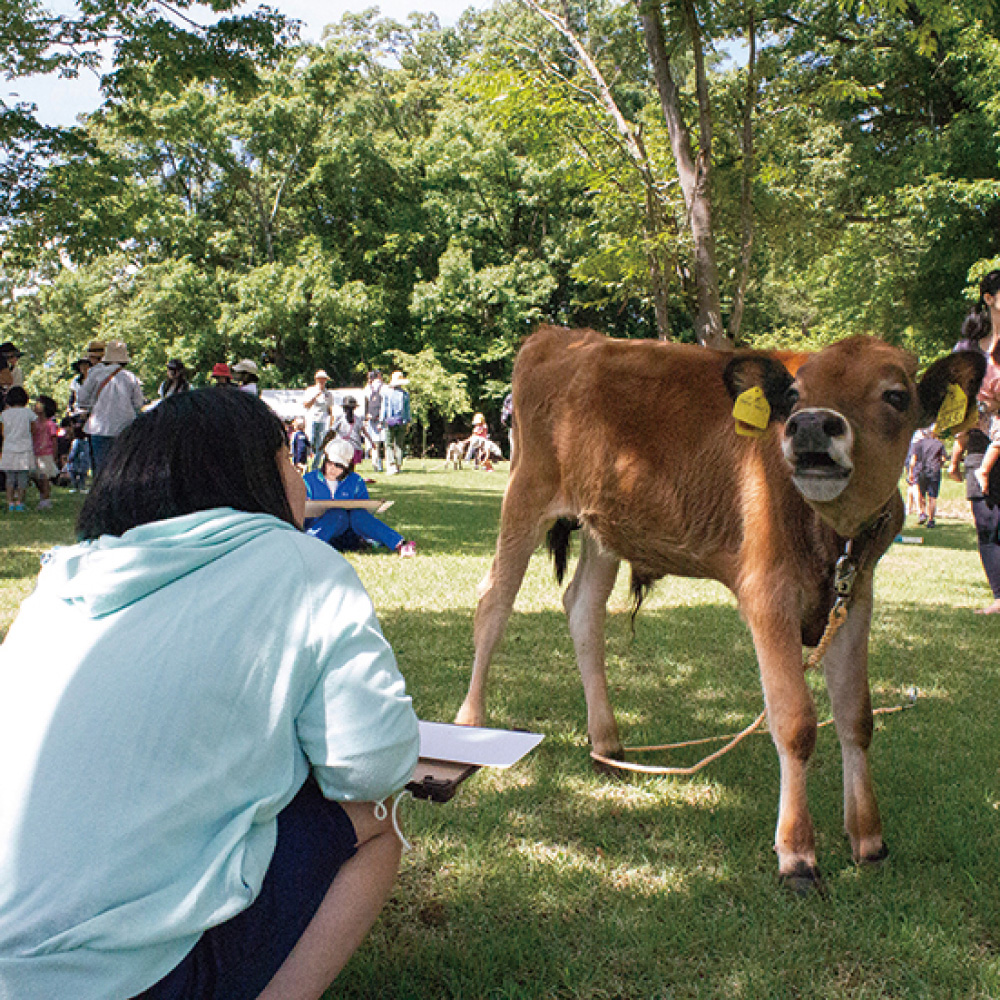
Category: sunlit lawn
[549,881]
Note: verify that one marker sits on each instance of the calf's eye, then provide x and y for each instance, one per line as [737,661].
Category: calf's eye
[898,399]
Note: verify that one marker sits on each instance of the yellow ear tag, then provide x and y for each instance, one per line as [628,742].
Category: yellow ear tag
[952,411]
[752,412]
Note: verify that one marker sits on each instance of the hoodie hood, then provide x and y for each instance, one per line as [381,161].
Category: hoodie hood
[105,575]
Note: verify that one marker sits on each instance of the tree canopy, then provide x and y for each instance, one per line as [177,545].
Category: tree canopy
[709,170]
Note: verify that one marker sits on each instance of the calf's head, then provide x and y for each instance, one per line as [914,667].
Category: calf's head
[848,415]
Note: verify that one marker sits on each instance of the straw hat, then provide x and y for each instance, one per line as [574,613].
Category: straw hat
[116,353]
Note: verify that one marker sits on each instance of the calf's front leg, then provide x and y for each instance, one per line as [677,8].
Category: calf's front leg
[791,716]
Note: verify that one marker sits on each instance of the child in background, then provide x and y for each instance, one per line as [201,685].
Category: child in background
[78,462]
[44,434]
[299,445]
[17,458]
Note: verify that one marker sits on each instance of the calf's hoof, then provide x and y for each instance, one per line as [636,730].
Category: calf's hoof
[468,717]
[603,767]
[875,858]
[803,880]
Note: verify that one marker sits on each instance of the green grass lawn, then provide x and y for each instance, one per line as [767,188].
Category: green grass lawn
[549,881]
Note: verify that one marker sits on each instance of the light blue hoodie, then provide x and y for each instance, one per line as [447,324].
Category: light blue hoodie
[163,696]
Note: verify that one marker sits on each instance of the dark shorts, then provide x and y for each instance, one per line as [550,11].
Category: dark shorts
[237,959]
[930,486]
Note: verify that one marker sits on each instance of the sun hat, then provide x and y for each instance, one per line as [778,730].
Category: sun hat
[398,378]
[221,370]
[246,366]
[96,347]
[321,374]
[116,353]
[340,452]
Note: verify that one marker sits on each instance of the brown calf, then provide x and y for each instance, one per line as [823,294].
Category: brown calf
[636,441]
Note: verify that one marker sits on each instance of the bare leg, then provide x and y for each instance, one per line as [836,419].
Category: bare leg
[353,901]
[846,669]
[586,602]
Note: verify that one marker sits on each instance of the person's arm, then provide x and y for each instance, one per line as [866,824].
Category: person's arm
[310,396]
[957,451]
[88,389]
[357,727]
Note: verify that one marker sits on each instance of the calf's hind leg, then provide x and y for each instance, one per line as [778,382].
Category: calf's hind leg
[586,601]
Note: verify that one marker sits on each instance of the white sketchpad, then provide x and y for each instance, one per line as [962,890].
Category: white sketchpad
[474,745]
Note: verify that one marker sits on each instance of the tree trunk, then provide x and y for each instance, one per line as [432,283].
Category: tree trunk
[693,174]
[746,196]
[636,151]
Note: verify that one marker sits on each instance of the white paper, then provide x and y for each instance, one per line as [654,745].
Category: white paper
[475,745]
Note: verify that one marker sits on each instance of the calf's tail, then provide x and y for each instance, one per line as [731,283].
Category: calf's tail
[557,540]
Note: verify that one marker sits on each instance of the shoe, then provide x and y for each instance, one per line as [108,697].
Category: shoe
[932,523]
[19,507]
[922,519]
[407,550]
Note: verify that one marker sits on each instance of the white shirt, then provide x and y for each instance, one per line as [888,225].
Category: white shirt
[114,407]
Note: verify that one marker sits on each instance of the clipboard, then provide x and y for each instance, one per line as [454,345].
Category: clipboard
[316,508]
[449,754]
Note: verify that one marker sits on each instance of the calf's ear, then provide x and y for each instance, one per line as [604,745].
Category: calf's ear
[948,390]
[758,385]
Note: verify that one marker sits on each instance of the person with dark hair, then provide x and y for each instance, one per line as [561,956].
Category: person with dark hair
[221,374]
[176,380]
[81,366]
[188,797]
[44,436]
[981,332]
[17,457]
[11,373]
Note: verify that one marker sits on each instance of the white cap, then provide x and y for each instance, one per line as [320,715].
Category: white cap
[340,452]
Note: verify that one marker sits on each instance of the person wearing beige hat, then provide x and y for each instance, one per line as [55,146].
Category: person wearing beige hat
[318,404]
[246,375]
[395,418]
[112,396]
[95,351]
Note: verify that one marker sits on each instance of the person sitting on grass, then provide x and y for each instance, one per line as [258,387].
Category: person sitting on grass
[191,772]
[347,529]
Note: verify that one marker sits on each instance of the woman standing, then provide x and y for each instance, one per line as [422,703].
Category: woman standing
[176,380]
[981,332]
